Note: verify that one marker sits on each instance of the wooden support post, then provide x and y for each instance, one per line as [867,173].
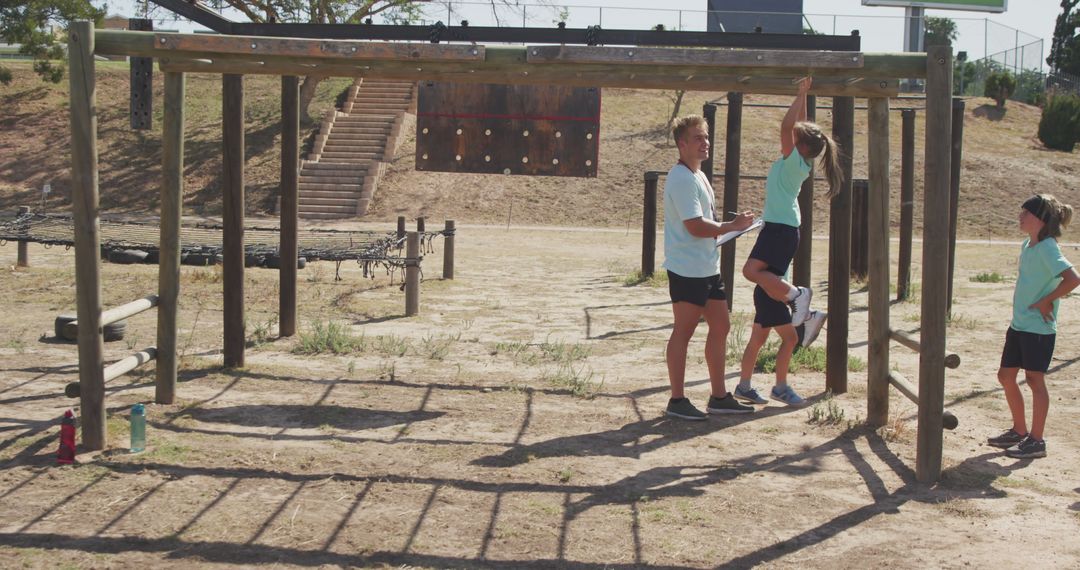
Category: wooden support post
[836,357]
[421,225]
[733,151]
[232,111]
[801,273]
[708,111]
[412,274]
[648,225]
[954,188]
[289,251]
[877,376]
[907,203]
[23,259]
[400,227]
[172,202]
[84,205]
[934,265]
[448,251]
[860,219]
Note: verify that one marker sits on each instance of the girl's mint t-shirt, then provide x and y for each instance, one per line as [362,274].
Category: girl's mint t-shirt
[688,195]
[1041,266]
[782,187]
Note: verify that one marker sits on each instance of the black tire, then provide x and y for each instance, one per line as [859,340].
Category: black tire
[153,256]
[274,262]
[199,259]
[111,332]
[301,262]
[73,390]
[127,256]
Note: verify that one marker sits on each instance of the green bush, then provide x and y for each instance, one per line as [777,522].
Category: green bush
[999,86]
[1059,127]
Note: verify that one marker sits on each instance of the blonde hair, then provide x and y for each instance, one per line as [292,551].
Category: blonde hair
[683,124]
[815,140]
[1054,214]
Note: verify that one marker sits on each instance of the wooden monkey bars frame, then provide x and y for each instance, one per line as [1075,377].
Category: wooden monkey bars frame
[843,75]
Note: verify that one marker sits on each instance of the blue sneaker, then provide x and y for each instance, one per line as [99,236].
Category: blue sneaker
[785,394]
[749,395]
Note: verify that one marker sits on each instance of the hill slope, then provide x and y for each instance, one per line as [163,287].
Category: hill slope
[1003,161]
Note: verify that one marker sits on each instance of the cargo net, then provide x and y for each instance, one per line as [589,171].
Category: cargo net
[201,244]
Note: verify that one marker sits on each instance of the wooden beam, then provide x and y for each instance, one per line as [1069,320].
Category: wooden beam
[323,49]
[952,360]
[115,314]
[172,205]
[648,224]
[732,165]
[804,253]
[412,274]
[548,75]
[877,376]
[511,58]
[957,148]
[907,203]
[935,266]
[949,421]
[836,358]
[125,365]
[290,203]
[635,55]
[84,205]
[232,218]
[448,250]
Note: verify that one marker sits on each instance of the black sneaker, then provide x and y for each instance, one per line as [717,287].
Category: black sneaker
[1028,448]
[1006,440]
[727,405]
[683,409]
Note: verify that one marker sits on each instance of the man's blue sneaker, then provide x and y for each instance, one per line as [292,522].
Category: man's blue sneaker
[784,393]
[749,395]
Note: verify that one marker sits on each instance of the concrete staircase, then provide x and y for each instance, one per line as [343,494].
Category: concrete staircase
[339,177]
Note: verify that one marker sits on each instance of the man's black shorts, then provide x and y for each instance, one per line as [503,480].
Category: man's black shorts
[696,290]
[1026,350]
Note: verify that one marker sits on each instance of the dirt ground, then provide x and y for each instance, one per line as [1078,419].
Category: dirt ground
[516,422]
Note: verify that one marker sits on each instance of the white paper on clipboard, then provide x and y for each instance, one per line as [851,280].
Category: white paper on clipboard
[724,238]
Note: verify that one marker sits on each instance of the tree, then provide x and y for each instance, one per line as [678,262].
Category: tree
[940,32]
[999,86]
[31,23]
[1065,47]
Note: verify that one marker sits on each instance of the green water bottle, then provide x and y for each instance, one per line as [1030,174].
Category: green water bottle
[138,428]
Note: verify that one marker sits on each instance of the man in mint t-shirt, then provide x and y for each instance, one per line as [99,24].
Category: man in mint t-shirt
[693,266]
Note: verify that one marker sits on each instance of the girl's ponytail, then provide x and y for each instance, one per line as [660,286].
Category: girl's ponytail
[831,161]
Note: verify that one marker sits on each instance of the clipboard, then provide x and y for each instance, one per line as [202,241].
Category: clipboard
[724,238]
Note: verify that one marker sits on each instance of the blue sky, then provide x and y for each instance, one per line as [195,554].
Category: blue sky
[880,27]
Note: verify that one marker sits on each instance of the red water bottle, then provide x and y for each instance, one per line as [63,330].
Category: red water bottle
[67,439]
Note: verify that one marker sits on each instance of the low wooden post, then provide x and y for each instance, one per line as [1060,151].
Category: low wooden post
[289,250]
[412,274]
[23,259]
[934,265]
[400,227]
[420,225]
[877,377]
[648,225]
[172,200]
[860,219]
[232,111]
[836,357]
[801,273]
[84,205]
[732,154]
[907,203]
[957,148]
[448,250]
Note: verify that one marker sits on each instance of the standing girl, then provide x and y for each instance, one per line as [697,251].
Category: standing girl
[1045,276]
[800,143]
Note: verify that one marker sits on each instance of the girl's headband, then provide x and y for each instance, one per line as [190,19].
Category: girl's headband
[1038,206]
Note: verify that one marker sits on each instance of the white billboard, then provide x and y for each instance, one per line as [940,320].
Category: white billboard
[996,6]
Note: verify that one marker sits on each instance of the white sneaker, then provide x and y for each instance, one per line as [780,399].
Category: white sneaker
[812,327]
[800,306]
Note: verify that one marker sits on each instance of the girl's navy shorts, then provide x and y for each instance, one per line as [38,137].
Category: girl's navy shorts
[695,290]
[1030,351]
[775,245]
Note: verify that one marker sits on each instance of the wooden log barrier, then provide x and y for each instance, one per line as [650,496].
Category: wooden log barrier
[948,419]
[116,314]
[116,369]
[412,274]
[648,225]
[448,250]
[952,360]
